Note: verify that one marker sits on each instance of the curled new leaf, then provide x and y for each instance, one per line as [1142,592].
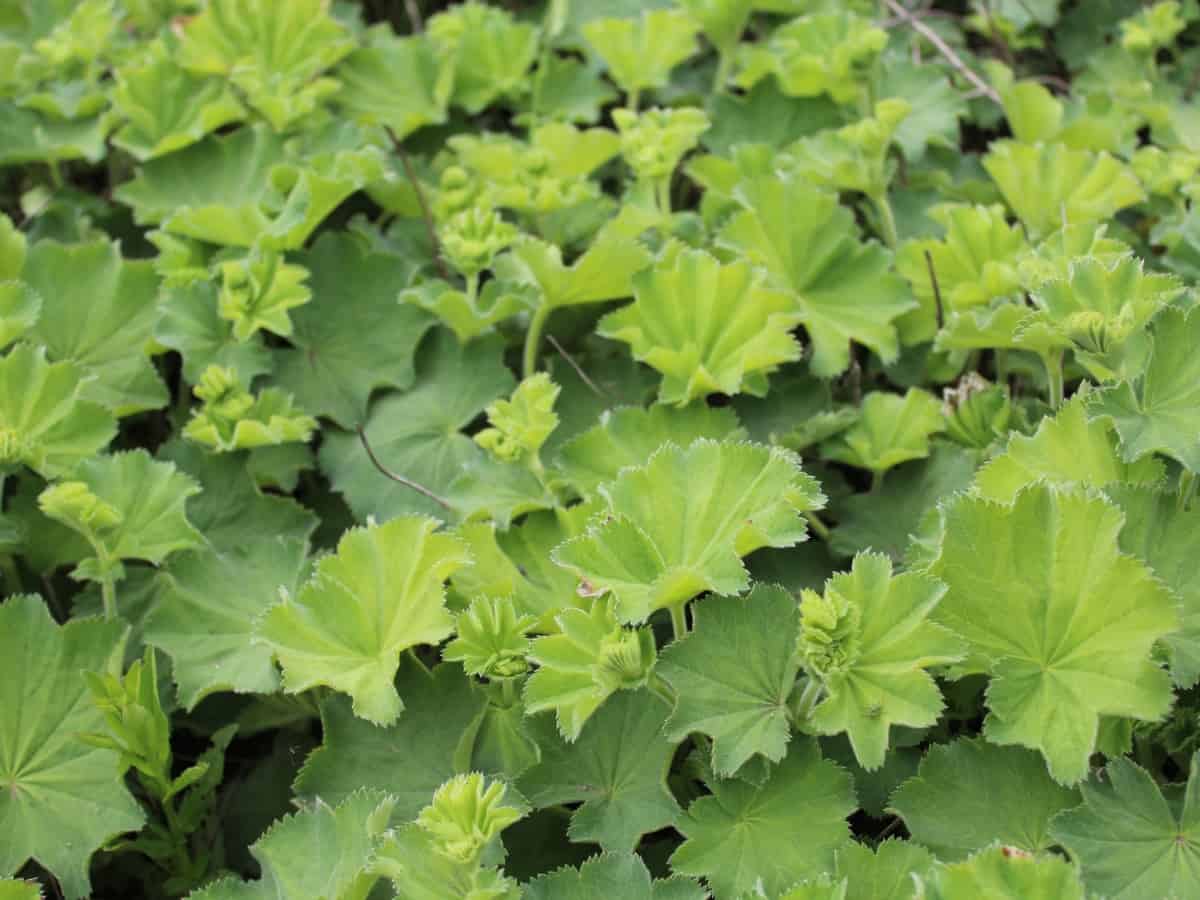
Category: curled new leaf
[466,814]
[492,639]
[891,430]
[234,419]
[521,424]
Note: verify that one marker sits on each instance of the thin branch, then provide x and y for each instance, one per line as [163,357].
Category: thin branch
[414,16]
[937,291]
[945,49]
[596,389]
[399,479]
[426,214]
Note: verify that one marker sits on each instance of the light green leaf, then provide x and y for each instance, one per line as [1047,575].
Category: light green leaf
[99,312]
[395,81]
[891,430]
[810,246]
[272,51]
[379,595]
[855,156]
[258,291]
[1162,534]
[743,708]
[768,836]
[604,272]
[1065,450]
[15,889]
[63,799]
[466,814]
[167,108]
[127,506]
[44,422]
[1159,410]
[410,857]
[489,52]
[869,642]
[935,107]
[617,770]
[653,142]
[417,433]
[521,424]
[975,262]
[970,794]
[207,605]
[20,307]
[621,875]
[352,338]
[1134,838]
[589,659]
[491,639]
[30,137]
[1061,620]
[570,90]
[231,418]
[407,760]
[825,52]
[1002,874]
[629,436]
[641,52]
[1050,185]
[469,317]
[887,873]
[679,525]
[707,327]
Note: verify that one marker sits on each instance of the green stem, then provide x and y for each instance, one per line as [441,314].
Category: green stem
[887,219]
[12,575]
[659,687]
[508,691]
[108,594]
[1187,488]
[533,340]
[472,289]
[679,621]
[803,707]
[820,529]
[1053,361]
[633,99]
[662,196]
[724,64]
[877,480]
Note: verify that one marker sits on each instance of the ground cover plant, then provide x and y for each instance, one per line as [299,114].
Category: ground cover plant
[651,449]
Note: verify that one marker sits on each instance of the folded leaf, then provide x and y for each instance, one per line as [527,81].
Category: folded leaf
[641,52]
[611,875]
[489,52]
[891,430]
[397,82]
[1002,872]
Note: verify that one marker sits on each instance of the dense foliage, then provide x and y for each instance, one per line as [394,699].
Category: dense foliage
[647,449]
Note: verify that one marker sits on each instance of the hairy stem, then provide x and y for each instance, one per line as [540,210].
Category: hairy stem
[679,620]
[533,341]
[887,219]
[1053,361]
[819,528]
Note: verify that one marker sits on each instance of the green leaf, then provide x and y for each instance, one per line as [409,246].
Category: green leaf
[869,642]
[629,435]
[466,814]
[1061,620]
[111,342]
[490,52]
[891,430]
[411,858]
[14,889]
[853,157]
[825,52]
[469,317]
[1065,450]
[589,659]
[520,425]
[707,327]
[768,836]
[30,137]
[231,418]
[190,324]
[764,115]
[272,51]
[935,107]
[743,708]
[127,506]
[653,142]
[887,873]
[397,82]
[970,794]
[975,262]
[1159,410]
[621,875]
[1134,838]
[207,606]
[679,525]
[44,423]
[352,338]
[999,872]
[641,52]
[1162,534]
[407,760]
[379,595]
[63,799]
[885,520]
[1051,185]
[417,433]
[324,851]
[809,245]
[604,272]
[20,307]
[617,770]
[167,108]
[491,639]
